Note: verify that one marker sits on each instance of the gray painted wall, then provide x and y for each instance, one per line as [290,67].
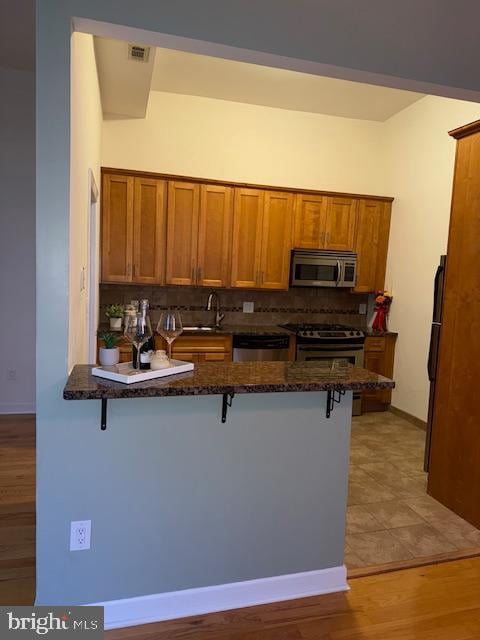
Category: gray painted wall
[17,240]
[179,500]
[81,472]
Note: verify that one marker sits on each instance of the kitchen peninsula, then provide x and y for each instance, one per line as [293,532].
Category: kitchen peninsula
[264,493]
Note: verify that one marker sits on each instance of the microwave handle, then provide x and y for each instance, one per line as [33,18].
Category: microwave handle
[339,272]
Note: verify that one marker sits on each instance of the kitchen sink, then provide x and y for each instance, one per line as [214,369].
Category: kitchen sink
[203,328]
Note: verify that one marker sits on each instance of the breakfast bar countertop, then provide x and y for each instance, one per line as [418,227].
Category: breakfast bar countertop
[228,378]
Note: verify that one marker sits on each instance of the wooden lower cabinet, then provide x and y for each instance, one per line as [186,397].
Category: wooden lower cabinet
[379,357]
[200,348]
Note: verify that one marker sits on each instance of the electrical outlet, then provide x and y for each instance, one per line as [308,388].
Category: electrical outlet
[362,309]
[80,531]
[11,374]
[248,307]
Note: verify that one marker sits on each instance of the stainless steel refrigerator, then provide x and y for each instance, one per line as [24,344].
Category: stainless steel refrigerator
[433,351]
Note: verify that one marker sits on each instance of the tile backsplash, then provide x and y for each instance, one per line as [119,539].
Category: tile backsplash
[337,306]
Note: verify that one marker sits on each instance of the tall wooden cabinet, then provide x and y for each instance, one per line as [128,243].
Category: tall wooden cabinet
[454,474]
[371,244]
[262,230]
[133,229]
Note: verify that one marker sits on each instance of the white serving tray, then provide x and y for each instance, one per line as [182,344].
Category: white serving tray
[124,372]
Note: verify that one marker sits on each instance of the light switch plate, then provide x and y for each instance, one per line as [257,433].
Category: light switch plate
[248,307]
[362,309]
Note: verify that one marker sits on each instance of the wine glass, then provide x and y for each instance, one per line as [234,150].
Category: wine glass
[170,327]
[137,331]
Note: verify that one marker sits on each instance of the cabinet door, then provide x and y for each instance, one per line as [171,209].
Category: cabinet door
[149,231]
[182,232]
[276,240]
[309,227]
[379,357]
[117,228]
[340,222]
[247,238]
[371,245]
[214,236]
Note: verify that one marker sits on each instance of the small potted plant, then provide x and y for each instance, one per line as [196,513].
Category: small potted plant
[109,354]
[115,313]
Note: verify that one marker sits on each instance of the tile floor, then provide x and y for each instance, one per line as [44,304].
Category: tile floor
[390,517]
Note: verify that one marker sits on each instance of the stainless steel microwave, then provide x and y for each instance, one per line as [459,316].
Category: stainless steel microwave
[323,268]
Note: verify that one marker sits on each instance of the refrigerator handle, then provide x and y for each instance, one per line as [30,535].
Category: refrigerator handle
[433,351]
[436,293]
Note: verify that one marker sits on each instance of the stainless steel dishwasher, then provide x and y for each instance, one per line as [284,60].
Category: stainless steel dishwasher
[260,347]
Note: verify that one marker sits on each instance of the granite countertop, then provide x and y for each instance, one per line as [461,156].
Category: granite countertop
[229,377]
[227,330]
[378,334]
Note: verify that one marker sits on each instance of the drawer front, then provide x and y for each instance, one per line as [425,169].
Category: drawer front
[198,344]
[185,356]
[215,357]
[374,344]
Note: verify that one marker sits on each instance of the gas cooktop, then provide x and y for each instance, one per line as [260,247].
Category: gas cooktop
[316,330]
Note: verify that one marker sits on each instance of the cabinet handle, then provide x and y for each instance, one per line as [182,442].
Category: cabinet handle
[199,274]
[129,270]
[262,277]
[134,270]
[193,274]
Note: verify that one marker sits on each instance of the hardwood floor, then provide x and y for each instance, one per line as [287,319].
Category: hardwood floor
[17,510]
[439,602]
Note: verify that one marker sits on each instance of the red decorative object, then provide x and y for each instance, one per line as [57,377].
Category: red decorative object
[383,302]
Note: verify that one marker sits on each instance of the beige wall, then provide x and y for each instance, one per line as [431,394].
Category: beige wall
[218,139]
[86,119]
[420,169]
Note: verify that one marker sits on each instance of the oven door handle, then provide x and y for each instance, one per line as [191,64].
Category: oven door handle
[339,272]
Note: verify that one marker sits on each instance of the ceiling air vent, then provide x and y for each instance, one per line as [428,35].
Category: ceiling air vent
[137,52]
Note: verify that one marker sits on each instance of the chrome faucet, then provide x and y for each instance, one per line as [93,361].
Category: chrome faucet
[218,316]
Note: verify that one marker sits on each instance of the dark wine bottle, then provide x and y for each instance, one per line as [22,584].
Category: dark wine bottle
[147,346]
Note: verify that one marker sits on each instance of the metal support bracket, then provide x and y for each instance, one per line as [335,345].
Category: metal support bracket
[103,419]
[226,402]
[332,399]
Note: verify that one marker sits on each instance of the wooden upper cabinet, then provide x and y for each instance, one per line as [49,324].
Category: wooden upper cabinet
[149,231]
[276,240]
[182,227]
[340,224]
[214,236]
[117,228]
[247,238]
[309,227]
[371,245]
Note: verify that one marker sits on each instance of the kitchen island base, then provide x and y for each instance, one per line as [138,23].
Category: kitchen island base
[207,503]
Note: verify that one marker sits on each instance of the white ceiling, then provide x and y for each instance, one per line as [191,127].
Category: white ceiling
[198,75]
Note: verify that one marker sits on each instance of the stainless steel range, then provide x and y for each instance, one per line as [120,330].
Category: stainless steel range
[330,342]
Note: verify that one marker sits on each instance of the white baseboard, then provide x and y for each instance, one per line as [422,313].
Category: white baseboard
[26,407]
[190,602]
